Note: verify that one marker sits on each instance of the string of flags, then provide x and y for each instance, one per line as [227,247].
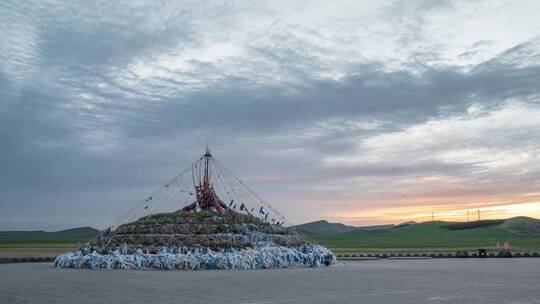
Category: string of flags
[223,184]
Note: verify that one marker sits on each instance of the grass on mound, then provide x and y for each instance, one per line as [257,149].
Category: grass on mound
[200,216]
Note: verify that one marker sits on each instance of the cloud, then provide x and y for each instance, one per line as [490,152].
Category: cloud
[353,103]
[498,146]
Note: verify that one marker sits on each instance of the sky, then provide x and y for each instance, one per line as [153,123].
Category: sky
[361,112]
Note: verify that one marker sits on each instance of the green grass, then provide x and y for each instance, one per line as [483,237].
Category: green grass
[70,236]
[34,250]
[426,237]
[26,244]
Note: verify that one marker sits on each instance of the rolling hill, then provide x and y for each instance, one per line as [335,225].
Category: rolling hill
[324,227]
[522,225]
[522,232]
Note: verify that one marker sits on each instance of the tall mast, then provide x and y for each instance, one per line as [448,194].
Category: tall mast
[207,157]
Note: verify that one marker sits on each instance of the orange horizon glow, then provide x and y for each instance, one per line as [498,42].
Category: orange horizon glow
[440,212]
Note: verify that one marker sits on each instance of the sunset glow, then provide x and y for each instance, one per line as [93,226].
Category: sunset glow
[454,213]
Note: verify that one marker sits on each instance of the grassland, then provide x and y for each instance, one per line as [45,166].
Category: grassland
[428,237]
[31,244]
[34,250]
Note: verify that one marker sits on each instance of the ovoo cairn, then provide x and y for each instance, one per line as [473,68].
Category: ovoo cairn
[207,233]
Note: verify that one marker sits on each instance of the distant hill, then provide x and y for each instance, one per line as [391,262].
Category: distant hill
[522,225]
[74,235]
[522,232]
[518,225]
[324,227]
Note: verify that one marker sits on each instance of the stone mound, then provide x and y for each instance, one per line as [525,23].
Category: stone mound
[198,240]
[188,230]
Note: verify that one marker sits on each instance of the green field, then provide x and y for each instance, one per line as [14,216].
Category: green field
[26,244]
[425,238]
[69,236]
[34,250]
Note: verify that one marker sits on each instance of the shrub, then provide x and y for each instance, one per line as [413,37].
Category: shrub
[462,254]
[470,225]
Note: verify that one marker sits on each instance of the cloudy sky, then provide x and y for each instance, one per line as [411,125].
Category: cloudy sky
[357,112]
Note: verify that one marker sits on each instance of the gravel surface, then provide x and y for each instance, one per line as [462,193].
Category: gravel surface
[381,281]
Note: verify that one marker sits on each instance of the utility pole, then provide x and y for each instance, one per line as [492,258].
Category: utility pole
[467,215]
[478,213]
[432,216]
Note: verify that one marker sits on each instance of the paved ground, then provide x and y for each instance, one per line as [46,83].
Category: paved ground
[405,281]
